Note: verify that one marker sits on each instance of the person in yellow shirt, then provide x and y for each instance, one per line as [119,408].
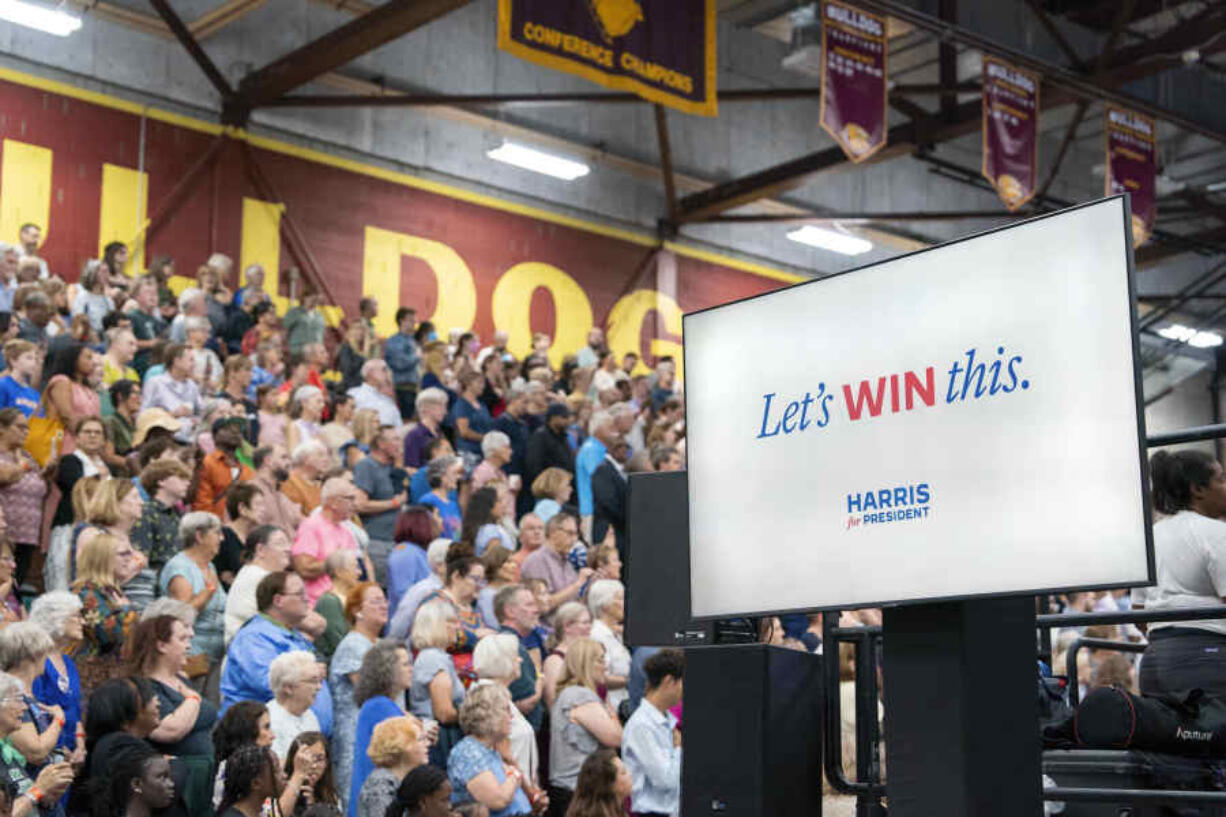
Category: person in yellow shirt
[120,350]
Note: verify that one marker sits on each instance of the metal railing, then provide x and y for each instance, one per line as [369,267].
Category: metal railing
[869,787]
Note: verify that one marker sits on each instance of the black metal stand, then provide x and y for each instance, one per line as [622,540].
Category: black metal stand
[961,730]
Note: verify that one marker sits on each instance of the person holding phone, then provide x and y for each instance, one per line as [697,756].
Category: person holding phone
[30,796]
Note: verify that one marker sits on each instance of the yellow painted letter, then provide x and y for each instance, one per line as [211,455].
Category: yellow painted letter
[457,291]
[626,325]
[125,199]
[512,306]
[25,189]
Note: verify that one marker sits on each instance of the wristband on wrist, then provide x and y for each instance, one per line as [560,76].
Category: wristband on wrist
[35,794]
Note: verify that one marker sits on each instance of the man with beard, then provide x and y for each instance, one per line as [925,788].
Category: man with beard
[271,469]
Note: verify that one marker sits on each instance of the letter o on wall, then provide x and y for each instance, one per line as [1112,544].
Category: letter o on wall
[512,308]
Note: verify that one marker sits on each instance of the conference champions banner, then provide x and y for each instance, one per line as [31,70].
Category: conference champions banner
[931,427]
[854,78]
[1132,166]
[663,50]
[1010,131]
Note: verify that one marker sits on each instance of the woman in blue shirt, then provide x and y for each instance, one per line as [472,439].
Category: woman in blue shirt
[59,613]
[470,418]
[385,676]
[443,474]
[476,769]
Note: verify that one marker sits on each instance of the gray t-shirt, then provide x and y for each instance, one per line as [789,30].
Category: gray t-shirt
[429,663]
[569,743]
[375,480]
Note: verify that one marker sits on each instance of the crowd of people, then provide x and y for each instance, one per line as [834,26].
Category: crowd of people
[255,563]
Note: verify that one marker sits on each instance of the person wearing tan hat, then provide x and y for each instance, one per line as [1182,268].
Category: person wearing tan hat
[154,418]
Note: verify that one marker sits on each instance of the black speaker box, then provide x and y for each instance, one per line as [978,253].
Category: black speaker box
[751,734]
[658,564]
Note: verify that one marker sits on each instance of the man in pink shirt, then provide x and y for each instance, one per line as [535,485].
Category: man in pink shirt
[324,532]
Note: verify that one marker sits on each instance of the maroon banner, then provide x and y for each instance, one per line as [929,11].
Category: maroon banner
[663,50]
[854,78]
[1010,131]
[1132,166]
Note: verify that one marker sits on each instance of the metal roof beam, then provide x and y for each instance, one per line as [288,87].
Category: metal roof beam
[338,47]
[1061,86]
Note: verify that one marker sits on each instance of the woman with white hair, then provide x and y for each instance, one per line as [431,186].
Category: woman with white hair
[294,678]
[206,367]
[437,691]
[306,412]
[59,614]
[497,661]
[495,453]
[190,577]
[27,794]
[606,599]
[24,647]
[475,767]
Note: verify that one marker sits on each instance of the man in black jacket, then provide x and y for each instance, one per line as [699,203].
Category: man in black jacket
[609,497]
[547,447]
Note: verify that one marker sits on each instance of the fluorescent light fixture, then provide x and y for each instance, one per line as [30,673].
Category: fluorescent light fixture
[537,161]
[1190,336]
[1215,187]
[51,21]
[833,240]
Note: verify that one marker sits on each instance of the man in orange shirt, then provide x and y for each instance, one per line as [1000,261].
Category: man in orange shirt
[221,469]
[309,462]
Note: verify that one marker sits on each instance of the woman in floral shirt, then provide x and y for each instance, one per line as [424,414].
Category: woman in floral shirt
[104,564]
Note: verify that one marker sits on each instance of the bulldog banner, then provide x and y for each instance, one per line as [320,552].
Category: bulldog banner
[1010,131]
[854,78]
[1132,166]
[663,50]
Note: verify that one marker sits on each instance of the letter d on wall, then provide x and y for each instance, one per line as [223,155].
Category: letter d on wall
[457,292]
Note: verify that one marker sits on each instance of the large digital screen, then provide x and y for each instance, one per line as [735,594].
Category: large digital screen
[960,422]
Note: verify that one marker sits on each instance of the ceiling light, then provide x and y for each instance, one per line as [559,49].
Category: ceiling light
[1190,336]
[537,161]
[833,240]
[51,21]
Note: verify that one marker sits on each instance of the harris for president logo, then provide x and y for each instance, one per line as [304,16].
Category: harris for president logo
[884,506]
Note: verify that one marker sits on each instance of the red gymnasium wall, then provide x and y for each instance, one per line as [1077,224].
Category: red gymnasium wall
[72,162]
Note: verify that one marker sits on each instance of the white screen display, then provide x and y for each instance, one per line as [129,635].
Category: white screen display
[958,422]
